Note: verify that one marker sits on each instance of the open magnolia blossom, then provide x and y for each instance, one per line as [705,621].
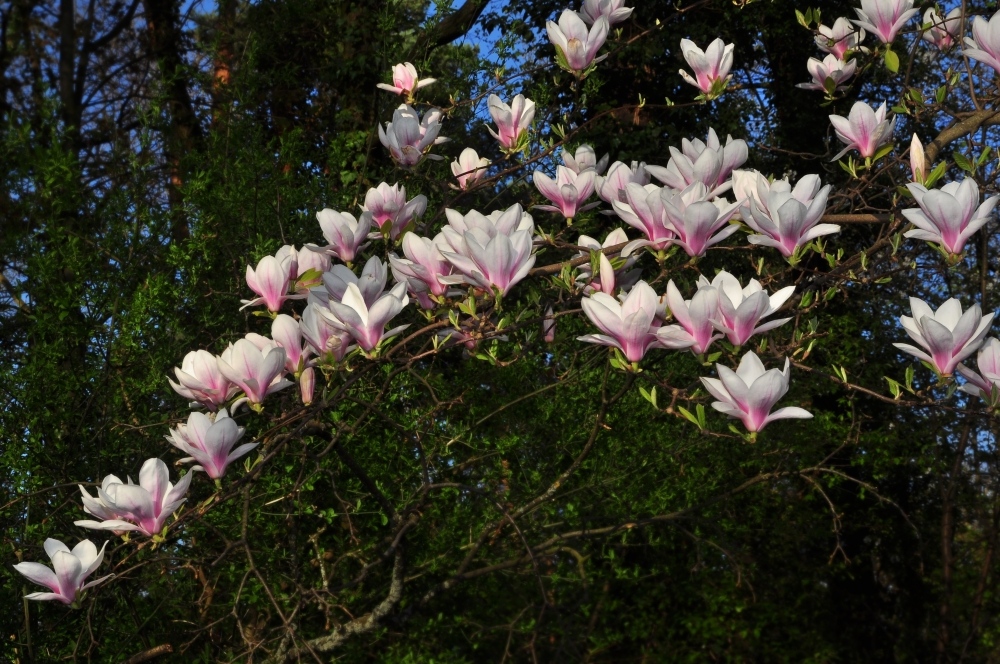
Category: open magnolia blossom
[629,325]
[884,18]
[328,343]
[200,380]
[344,234]
[986,383]
[405,81]
[783,217]
[643,210]
[512,121]
[840,38]
[608,279]
[257,369]
[366,324]
[946,336]
[984,45]
[67,578]
[371,282]
[948,216]
[567,192]
[423,267]
[750,392]
[741,309]
[611,187]
[613,10]
[390,210]
[694,328]
[469,168]
[209,440]
[711,66]
[863,130]
[584,159]
[698,223]
[942,32]
[577,46]
[708,162]
[143,507]
[271,281]
[409,138]
[828,74]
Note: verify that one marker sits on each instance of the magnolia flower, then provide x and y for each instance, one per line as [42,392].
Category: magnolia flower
[469,168]
[70,569]
[711,66]
[627,325]
[577,47]
[750,392]
[643,210]
[585,159]
[611,187]
[608,278]
[884,18]
[345,234]
[840,38]
[865,130]
[741,309]
[256,371]
[270,281]
[491,261]
[984,45]
[707,162]
[694,328]
[942,31]
[697,223]
[787,218]
[312,261]
[613,10]
[568,191]
[200,380]
[391,212]
[330,344]
[286,333]
[371,283]
[917,160]
[409,138]
[307,385]
[512,121]
[986,383]
[504,222]
[367,324]
[142,507]
[404,80]
[830,69]
[948,335]
[209,441]
[423,267]
[948,216]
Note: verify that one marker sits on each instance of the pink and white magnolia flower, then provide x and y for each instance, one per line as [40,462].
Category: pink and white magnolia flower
[840,38]
[330,344]
[409,138]
[405,81]
[512,121]
[608,278]
[286,333]
[711,66]
[694,328]
[946,336]
[312,261]
[255,370]
[918,162]
[423,267]
[611,187]
[750,392]
[629,325]
[984,45]
[741,309]
[576,45]
[708,162]
[345,234]
[200,380]
[143,507]
[884,18]
[66,579]
[391,212]
[698,223]
[943,32]
[490,260]
[948,216]
[584,159]
[504,222]
[864,129]
[986,383]
[307,385]
[643,210]
[271,281]
[469,168]
[613,10]
[367,324]
[786,218]
[209,440]
[371,283]
[829,68]
[567,192]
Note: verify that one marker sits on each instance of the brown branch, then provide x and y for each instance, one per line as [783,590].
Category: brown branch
[152,653]
[956,131]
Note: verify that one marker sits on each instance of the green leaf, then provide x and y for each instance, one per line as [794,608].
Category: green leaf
[891,61]
[963,162]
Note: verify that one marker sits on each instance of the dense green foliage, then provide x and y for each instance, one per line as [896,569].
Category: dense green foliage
[532,506]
